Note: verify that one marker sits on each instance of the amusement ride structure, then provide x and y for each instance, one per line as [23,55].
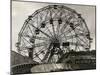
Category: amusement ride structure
[51,33]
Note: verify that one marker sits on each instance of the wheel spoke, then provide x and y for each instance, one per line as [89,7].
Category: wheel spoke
[51,22]
[40,44]
[69,30]
[49,31]
[85,46]
[79,29]
[83,41]
[39,52]
[40,31]
[41,38]
[30,29]
[35,37]
[24,43]
[58,27]
[47,53]
[53,29]
[63,28]
[27,40]
[72,36]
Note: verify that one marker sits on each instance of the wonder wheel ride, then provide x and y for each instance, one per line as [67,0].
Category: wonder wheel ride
[51,32]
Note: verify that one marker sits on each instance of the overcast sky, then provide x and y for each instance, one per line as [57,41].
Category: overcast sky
[21,11]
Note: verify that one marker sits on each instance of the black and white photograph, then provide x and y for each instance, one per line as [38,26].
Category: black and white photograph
[52,37]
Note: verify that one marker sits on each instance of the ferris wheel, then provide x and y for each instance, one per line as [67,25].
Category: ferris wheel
[51,32]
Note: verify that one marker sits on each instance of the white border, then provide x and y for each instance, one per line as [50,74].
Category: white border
[5,37]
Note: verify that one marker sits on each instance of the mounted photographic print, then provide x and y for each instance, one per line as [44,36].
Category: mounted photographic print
[52,37]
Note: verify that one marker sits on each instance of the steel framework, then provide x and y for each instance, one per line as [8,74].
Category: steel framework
[51,32]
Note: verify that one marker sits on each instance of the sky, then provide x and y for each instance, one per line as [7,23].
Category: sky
[21,11]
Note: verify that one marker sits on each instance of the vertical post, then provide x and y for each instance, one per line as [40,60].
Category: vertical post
[30,53]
